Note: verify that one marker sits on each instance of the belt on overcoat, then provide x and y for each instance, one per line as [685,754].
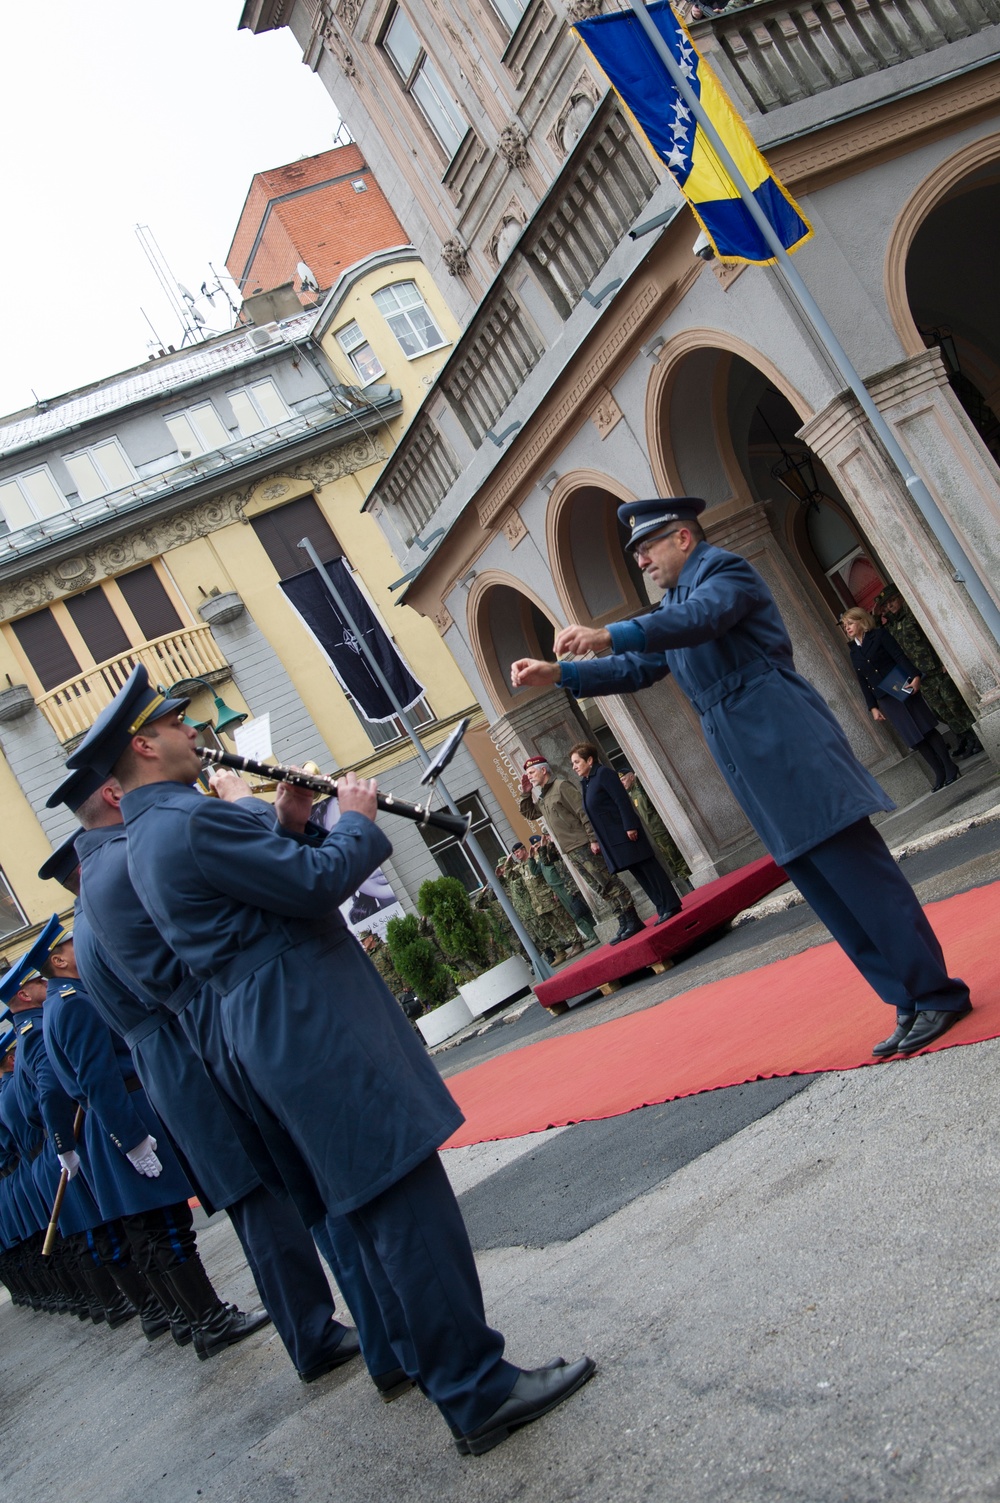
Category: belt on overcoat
[705,699]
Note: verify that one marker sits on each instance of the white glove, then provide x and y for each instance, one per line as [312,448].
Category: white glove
[70,1161]
[143,1158]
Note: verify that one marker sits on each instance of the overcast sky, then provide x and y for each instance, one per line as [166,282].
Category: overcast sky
[128,112]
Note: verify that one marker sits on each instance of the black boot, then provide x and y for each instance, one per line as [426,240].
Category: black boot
[118,1310]
[152,1317]
[629,924]
[215,1324]
[180,1326]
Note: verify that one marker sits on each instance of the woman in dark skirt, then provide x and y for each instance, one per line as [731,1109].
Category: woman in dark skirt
[621,839]
[876,655]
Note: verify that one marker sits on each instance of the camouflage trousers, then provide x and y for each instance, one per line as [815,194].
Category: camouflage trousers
[594,871]
[944,701]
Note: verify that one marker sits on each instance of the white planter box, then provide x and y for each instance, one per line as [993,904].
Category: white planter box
[451,1017]
[508,979]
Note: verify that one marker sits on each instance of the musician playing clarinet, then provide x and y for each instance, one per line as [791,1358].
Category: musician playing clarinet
[332,1064]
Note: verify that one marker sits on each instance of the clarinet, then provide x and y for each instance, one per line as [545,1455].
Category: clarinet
[439,819]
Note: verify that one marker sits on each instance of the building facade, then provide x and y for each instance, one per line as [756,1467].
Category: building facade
[154,517]
[602,360]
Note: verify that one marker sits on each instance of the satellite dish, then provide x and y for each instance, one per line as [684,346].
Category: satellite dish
[306,278]
[445,752]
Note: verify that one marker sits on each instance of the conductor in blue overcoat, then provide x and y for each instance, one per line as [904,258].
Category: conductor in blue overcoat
[777,745]
[323,1046]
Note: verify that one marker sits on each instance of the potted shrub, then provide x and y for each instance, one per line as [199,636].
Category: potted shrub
[468,939]
[416,961]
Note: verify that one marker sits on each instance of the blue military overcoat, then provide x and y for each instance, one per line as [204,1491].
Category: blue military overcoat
[780,749]
[95,1067]
[167,1016]
[322,1043]
[612,814]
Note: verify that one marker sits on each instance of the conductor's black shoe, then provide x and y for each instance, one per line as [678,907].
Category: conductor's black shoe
[462,1445]
[533,1395]
[930,1026]
[226,1327]
[347,1347]
[904,1022]
[393,1384]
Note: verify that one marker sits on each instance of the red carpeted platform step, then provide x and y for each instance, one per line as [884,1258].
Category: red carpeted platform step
[810,1012]
[705,909]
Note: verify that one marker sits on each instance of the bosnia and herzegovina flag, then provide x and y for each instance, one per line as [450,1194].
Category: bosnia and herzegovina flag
[626,54]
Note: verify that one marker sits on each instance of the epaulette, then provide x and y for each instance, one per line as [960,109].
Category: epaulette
[27,1027]
[67,991]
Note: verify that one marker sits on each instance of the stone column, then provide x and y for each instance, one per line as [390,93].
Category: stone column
[960,475]
[546,725]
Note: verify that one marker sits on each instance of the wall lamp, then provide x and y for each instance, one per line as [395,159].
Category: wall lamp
[226,718]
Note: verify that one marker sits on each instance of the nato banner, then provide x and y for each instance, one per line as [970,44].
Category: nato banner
[644,86]
[313,602]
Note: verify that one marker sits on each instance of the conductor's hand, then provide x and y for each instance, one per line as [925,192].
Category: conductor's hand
[143,1158]
[293,806]
[356,795]
[531,673]
[582,639]
[229,785]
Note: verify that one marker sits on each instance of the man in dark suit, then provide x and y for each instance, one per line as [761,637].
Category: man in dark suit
[779,748]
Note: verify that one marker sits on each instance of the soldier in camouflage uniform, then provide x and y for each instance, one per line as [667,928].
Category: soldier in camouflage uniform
[546,903]
[658,832]
[938,689]
[546,860]
[378,953]
[511,873]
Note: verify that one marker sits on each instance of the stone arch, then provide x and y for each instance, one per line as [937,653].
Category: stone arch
[507,620]
[595,579]
[707,347]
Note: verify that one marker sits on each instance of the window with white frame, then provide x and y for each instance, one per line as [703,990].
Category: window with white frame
[360,353]
[29,498]
[510,12]
[199,430]
[12,915]
[381,732]
[423,82]
[258,407]
[407,315]
[100,470]
[450,854]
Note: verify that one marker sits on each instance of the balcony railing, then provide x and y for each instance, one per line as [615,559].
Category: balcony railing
[781,52]
[72,707]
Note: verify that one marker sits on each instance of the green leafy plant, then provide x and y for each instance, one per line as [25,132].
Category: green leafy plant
[416,961]
[463,934]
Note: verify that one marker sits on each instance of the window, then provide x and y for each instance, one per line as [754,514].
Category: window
[29,498]
[381,732]
[149,603]
[405,311]
[99,471]
[510,12]
[257,407]
[280,531]
[360,353]
[424,83]
[43,644]
[12,915]
[449,853]
[197,431]
[94,617]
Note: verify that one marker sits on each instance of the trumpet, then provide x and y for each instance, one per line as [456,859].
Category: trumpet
[438,819]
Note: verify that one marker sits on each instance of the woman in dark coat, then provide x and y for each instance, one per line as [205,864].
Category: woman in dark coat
[876,655]
[621,839]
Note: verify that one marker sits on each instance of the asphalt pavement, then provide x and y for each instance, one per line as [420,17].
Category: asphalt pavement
[790,1289]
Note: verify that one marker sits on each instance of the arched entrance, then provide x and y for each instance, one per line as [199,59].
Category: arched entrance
[506,622]
[596,579]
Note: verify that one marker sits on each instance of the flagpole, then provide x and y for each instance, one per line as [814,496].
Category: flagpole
[541,968]
[965,570]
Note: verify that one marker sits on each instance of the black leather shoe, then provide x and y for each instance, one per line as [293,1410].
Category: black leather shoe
[347,1347]
[930,1026]
[953,776]
[225,1328]
[627,929]
[393,1384]
[904,1022]
[533,1395]
[661,918]
[462,1445]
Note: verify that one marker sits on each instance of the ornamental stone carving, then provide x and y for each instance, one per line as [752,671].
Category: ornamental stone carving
[513,146]
[348,12]
[455,257]
[579,10]
[575,114]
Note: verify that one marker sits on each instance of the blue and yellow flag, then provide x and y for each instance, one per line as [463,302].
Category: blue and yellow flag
[627,56]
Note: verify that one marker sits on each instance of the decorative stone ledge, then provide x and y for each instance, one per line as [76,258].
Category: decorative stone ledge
[219,610]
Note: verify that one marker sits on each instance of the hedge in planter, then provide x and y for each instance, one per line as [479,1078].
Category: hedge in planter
[416,961]
[463,934]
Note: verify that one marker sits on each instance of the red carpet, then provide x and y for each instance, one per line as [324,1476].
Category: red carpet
[707,908]
[810,1012]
